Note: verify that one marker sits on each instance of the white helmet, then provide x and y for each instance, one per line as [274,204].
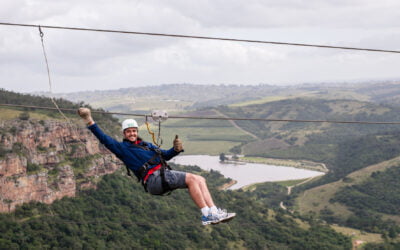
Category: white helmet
[129,123]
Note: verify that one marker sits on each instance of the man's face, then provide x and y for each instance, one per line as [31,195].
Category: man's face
[131,134]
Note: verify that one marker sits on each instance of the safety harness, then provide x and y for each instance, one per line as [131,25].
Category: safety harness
[144,169]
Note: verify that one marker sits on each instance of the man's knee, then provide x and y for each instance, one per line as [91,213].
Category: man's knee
[194,178]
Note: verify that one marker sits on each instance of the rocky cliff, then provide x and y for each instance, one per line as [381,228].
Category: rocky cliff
[47,160]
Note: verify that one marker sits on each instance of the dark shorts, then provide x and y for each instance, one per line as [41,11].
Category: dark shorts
[175,179]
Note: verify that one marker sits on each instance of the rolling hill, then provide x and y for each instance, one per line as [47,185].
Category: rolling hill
[339,202]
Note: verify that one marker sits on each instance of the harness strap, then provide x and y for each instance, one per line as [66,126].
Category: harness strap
[144,169]
[165,185]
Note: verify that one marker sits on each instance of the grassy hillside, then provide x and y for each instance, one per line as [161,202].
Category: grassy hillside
[324,200]
[311,109]
[381,92]
[8,113]
[183,95]
[379,193]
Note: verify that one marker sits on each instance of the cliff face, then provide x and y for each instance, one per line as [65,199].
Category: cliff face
[47,160]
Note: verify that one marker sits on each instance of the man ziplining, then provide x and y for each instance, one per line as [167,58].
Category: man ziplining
[148,163]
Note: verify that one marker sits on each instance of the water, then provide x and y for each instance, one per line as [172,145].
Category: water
[248,173]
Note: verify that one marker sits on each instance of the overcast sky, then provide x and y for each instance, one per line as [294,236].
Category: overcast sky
[95,61]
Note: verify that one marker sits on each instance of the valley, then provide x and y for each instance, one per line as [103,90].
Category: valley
[352,156]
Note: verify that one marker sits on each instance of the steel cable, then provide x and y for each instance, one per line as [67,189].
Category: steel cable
[200,37]
[212,118]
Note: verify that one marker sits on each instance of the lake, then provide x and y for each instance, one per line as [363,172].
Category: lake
[248,173]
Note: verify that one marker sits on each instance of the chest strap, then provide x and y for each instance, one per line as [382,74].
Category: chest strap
[144,169]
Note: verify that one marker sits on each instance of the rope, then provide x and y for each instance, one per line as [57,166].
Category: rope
[153,136]
[202,37]
[215,118]
[69,123]
[48,74]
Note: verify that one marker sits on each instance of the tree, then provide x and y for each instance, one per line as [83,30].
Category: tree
[24,116]
[222,157]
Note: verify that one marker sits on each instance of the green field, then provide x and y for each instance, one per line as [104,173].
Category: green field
[199,138]
[287,162]
[149,103]
[260,101]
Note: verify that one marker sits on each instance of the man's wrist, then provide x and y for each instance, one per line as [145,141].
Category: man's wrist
[90,123]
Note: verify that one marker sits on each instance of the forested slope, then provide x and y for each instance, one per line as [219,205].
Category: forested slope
[119,214]
[379,193]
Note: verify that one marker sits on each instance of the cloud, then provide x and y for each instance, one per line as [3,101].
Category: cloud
[291,13]
[91,60]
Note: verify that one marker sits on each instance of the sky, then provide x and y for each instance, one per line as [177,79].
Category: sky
[80,60]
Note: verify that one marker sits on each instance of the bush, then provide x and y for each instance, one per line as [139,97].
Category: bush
[3,151]
[13,130]
[17,147]
[41,148]
[32,167]
[24,116]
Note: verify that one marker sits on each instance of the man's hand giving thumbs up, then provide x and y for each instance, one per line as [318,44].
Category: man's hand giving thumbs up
[178,144]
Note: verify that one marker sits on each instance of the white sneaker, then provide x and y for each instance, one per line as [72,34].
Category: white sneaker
[222,216]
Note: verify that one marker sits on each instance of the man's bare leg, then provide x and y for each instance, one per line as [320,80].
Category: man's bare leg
[201,196]
[206,193]
[198,190]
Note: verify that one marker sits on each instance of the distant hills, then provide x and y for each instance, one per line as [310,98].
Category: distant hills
[191,96]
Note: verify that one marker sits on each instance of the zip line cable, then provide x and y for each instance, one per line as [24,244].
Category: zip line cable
[200,37]
[212,118]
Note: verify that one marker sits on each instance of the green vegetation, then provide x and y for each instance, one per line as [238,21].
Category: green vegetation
[18,148]
[32,168]
[379,193]
[120,215]
[286,162]
[24,116]
[290,182]
[343,148]
[199,136]
[259,101]
[80,164]
[385,245]
[3,151]
[109,122]
[117,215]
[322,200]
[269,193]
[368,199]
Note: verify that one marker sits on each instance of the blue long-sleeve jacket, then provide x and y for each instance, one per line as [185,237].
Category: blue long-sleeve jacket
[133,157]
